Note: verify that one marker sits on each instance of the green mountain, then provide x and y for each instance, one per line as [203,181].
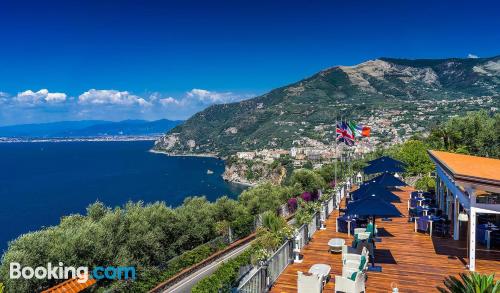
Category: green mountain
[395,96]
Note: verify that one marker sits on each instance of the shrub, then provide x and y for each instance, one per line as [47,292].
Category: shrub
[426,183]
[225,276]
[306,196]
[292,204]
[470,283]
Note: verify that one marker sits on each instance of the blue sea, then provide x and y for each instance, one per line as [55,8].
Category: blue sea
[41,182]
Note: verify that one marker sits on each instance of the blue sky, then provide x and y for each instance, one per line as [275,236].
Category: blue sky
[72,60]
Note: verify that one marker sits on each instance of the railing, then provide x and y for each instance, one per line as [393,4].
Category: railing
[279,261]
[331,205]
[303,238]
[256,282]
[312,226]
[263,277]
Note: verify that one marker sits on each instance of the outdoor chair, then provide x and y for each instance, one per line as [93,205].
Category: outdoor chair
[441,228]
[352,266]
[353,284]
[322,270]
[349,253]
[309,283]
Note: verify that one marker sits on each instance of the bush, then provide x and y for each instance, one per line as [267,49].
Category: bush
[306,180]
[426,183]
[470,283]
[225,276]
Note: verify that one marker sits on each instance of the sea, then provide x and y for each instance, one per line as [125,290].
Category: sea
[42,182]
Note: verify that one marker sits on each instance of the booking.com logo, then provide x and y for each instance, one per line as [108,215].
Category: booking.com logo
[62,272]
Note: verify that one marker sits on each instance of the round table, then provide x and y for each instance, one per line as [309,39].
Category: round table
[335,244]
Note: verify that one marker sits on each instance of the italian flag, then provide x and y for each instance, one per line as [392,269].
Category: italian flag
[359,130]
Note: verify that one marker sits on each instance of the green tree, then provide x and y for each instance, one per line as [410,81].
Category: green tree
[307,180]
[414,154]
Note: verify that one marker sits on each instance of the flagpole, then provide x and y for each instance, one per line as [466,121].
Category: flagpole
[336,153]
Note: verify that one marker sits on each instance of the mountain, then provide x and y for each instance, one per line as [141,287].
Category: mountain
[88,128]
[387,93]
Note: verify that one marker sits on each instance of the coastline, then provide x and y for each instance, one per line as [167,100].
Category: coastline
[202,155]
[205,155]
[80,139]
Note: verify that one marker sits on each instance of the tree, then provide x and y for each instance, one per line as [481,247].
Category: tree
[414,154]
[477,133]
[307,180]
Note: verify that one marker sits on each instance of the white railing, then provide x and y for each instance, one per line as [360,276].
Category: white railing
[331,205]
[312,226]
[279,261]
[303,238]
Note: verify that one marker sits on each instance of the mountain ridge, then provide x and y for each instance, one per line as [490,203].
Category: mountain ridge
[88,128]
[293,112]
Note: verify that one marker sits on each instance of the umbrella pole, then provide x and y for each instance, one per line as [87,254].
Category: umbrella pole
[374,268]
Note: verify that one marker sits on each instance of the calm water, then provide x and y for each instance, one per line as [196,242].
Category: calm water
[40,182]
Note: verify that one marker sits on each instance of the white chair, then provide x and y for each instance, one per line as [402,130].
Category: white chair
[354,255]
[343,284]
[309,283]
[359,230]
[354,266]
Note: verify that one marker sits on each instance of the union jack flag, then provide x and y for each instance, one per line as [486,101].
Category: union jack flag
[344,134]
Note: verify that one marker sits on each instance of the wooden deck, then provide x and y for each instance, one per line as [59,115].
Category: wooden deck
[414,261]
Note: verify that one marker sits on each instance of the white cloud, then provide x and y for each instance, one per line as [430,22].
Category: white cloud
[30,97]
[169,101]
[3,97]
[111,97]
[472,56]
[210,97]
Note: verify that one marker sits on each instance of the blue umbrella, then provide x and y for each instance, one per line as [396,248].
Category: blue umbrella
[372,206]
[388,160]
[383,166]
[386,179]
[368,189]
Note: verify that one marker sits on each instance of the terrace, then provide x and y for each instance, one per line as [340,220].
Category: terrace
[411,261]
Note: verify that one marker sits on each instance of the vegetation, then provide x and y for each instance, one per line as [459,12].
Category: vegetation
[266,197]
[470,283]
[270,236]
[426,183]
[225,276]
[144,236]
[305,180]
[477,133]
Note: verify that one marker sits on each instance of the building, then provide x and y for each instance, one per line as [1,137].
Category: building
[467,187]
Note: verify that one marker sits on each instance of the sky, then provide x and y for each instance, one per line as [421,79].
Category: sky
[116,60]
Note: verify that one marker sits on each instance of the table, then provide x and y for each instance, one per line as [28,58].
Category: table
[320,270]
[335,244]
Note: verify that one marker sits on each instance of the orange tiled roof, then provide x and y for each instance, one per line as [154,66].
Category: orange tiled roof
[70,286]
[466,166]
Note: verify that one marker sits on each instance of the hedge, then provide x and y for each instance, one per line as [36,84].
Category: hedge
[225,276]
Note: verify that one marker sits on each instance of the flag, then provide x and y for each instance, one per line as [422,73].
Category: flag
[359,130]
[344,134]
[354,128]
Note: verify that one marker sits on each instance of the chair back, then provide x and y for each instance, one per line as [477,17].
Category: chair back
[309,283]
[359,282]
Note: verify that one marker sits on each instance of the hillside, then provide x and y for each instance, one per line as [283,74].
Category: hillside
[396,96]
[88,128]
